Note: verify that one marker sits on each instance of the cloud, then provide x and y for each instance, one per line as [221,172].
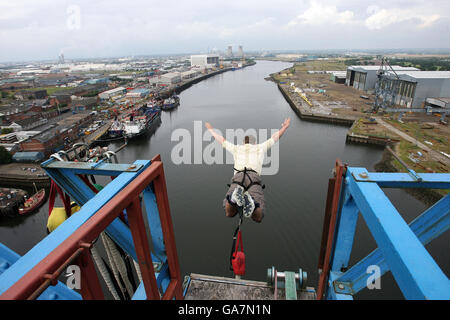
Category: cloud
[375,18]
[318,13]
[32,29]
[381,18]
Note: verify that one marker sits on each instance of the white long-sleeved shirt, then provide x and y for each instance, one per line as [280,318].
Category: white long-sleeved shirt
[250,156]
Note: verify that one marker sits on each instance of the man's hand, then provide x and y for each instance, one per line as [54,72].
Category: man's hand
[286,123]
[216,136]
[277,135]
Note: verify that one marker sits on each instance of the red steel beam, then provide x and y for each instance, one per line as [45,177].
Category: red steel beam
[167,228]
[326,223]
[90,230]
[89,285]
[137,227]
[171,290]
[340,171]
[51,279]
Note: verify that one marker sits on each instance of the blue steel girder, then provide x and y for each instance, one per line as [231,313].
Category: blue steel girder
[428,226]
[403,180]
[54,239]
[400,247]
[58,292]
[65,174]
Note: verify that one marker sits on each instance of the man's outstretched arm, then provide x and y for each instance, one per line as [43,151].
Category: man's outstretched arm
[277,135]
[216,136]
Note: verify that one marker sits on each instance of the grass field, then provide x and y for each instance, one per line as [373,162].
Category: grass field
[438,135]
[50,90]
[321,65]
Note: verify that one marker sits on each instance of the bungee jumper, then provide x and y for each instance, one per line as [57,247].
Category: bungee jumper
[245,194]
[246,189]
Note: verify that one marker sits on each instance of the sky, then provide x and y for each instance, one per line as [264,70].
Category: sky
[43,29]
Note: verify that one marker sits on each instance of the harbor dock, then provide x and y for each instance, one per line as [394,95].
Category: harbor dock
[420,140]
[10,199]
[23,175]
[305,113]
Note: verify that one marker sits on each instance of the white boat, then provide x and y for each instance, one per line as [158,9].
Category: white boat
[116,129]
[171,103]
[134,128]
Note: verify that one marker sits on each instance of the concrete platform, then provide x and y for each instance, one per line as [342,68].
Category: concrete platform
[203,287]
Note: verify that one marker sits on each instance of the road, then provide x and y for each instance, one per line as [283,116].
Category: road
[433,153]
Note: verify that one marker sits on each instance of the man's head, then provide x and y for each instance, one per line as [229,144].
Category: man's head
[249,140]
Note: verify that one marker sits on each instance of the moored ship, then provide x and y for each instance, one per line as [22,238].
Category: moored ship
[171,103]
[116,129]
[138,124]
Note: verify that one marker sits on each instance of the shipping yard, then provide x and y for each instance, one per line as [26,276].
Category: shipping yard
[78,108]
[317,91]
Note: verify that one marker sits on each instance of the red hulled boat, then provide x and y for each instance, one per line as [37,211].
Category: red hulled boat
[33,203]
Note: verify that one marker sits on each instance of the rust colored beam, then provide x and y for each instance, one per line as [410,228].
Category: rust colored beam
[340,171]
[326,223]
[89,285]
[137,227]
[171,290]
[52,279]
[162,201]
[88,232]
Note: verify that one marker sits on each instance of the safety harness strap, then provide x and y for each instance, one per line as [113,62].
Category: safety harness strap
[242,183]
[54,188]
[236,235]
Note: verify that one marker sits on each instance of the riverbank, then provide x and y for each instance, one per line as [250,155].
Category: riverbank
[305,113]
[23,175]
[180,88]
[27,174]
[322,105]
[10,200]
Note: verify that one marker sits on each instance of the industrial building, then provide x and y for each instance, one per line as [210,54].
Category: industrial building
[205,60]
[138,93]
[111,93]
[338,76]
[443,102]
[365,77]
[171,77]
[229,51]
[415,87]
[53,138]
[189,74]
[166,79]
[240,53]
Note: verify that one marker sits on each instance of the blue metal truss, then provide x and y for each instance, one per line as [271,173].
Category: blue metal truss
[65,174]
[400,246]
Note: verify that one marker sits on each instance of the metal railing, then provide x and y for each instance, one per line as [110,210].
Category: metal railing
[71,241]
[353,192]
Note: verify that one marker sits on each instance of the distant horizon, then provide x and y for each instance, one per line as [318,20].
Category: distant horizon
[425,51]
[83,29]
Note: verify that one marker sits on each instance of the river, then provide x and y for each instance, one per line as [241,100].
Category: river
[290,234]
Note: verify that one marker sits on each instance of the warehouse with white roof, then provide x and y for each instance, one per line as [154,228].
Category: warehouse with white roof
[364,77]
[416,86]
[112,93]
